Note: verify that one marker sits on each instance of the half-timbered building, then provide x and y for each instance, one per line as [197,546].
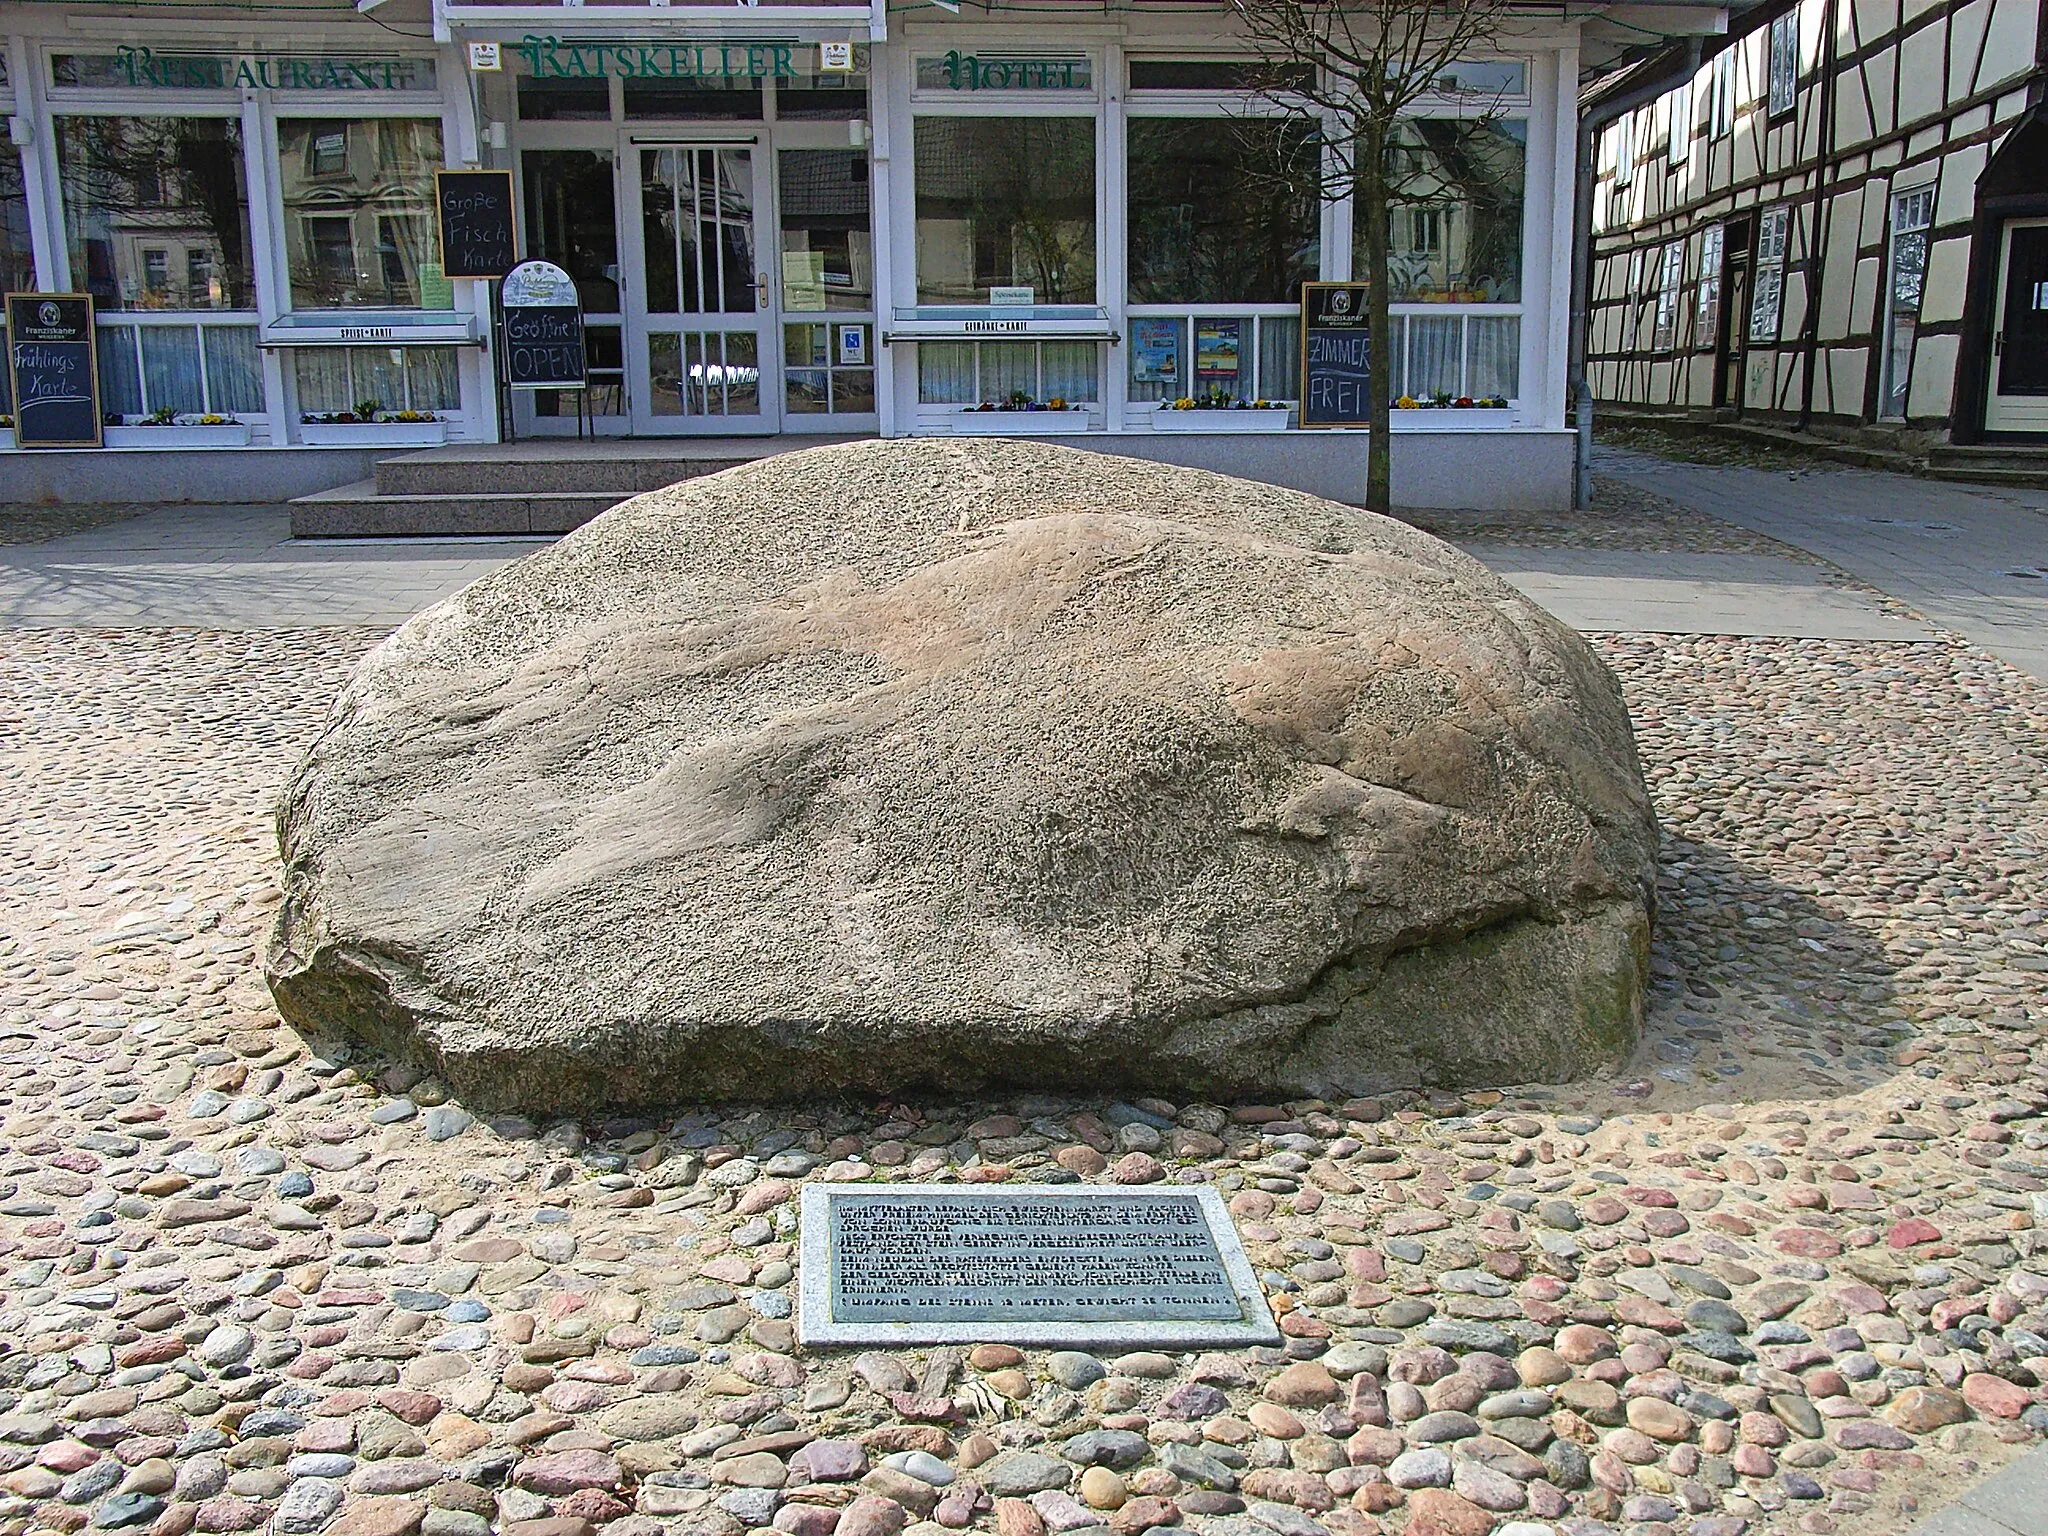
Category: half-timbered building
[1836,215]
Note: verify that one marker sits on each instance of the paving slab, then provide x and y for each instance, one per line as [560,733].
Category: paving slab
[1972,560]
[2011,1503]
[232,567]
[1664,592]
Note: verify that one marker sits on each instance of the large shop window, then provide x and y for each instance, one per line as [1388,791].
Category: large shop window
[17,259]
[1222,211]
[1005,203]
[156,212]
[1470,175]
[358,199]
[968,372]
[1455,238]
[396,378]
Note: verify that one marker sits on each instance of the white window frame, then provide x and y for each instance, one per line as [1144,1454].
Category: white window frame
[1707,299]
[1783,57]
[1909,211]
[1670,275]
[1767,287]
[1678,149]
[1721,89]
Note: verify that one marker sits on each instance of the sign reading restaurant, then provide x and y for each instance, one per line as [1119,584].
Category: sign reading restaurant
[247,71]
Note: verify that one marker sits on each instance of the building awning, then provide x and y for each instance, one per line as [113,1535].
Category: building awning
[372,328]
[799,22]
[986,322]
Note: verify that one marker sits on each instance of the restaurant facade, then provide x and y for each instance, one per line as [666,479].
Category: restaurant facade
[779,219]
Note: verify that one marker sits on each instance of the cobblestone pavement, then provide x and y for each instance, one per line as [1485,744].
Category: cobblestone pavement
[1782,1273]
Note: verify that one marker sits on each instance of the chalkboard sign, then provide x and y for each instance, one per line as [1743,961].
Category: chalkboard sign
[1336,355]
[54,369]
[543,328]
[476,222]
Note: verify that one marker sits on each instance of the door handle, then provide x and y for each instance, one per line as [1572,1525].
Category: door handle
[1997,342]
[761,291]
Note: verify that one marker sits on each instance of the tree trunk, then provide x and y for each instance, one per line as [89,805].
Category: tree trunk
[1370,205]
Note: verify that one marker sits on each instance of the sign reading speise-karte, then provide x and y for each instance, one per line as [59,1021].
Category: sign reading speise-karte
[930,1263]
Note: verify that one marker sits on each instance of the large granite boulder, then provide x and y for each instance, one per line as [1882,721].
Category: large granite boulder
[902,765]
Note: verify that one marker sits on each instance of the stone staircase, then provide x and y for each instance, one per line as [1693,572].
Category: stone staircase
[537,486]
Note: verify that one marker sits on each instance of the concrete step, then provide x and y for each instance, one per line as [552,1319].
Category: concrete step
[556,467]
[1990,463]
[362,511]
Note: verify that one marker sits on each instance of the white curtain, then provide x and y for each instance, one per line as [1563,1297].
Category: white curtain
[1069,370]
[1007,368]
[1433,344]
[1493,361]
[945,373]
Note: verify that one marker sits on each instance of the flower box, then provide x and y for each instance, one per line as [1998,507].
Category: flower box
[1021,423]
[373,434]
[1167,419]
[232,434]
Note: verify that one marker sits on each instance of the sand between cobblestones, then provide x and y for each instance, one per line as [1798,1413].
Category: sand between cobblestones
[1781,1274]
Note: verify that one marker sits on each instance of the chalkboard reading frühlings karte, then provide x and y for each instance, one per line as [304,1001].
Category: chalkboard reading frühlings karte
[476,222]
[1336,355]
[53,370]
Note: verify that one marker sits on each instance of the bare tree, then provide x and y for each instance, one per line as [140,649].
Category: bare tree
[1362,66]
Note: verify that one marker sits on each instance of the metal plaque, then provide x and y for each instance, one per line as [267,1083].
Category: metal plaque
[932,1263]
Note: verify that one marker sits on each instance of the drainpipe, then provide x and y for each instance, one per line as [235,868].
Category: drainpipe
[1590,124]
[1816,249]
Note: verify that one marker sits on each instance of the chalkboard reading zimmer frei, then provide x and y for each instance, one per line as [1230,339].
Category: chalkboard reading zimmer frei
[1336,355]
[936,1263]
[543,328]
[52,364]
[476,222]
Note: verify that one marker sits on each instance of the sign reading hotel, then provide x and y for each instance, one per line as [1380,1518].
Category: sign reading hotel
[957,71]
[930,1263]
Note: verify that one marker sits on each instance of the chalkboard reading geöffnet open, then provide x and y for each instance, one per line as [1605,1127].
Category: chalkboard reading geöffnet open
[1336,355]
[476,222]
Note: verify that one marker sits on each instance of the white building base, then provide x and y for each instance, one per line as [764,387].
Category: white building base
[1519,471]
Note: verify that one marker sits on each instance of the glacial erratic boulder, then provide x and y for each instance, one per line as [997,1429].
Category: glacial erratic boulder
[946,765]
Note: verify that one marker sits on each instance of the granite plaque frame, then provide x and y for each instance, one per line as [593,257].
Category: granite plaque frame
[1050,1265]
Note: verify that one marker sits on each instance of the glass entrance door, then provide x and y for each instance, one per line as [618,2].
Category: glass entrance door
[700,321]
[2019,346]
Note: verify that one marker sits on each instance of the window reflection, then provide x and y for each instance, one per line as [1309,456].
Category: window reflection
[1222,211]
[1455,230]
[1005,202]
[827,252]
[156,211]
[570,220]
[358,197]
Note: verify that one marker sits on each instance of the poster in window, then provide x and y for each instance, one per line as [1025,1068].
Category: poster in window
[1216,352]
[803,280]
[1155,351]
